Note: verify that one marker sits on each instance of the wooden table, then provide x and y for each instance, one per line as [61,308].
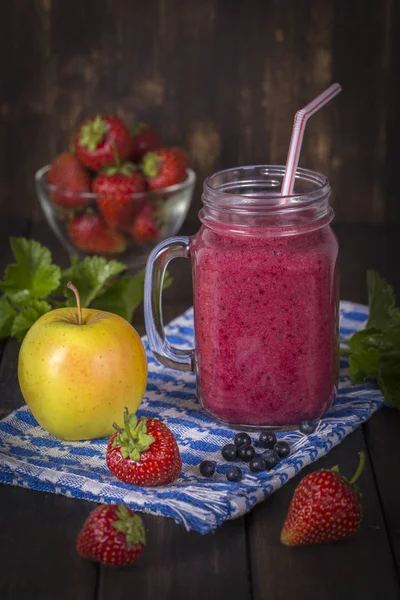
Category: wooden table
[244,558]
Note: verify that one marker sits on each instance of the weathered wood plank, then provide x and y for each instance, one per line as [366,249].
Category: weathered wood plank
[178,564]
[382,437]
[358,57]
[37,547]
[364,247]
[361,567]
[389,147]
[218,79]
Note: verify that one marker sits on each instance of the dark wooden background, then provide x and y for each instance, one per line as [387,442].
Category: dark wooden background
[222,78]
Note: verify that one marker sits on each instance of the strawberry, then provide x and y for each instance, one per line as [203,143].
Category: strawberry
[325,507]
[144,139]
[115,187]
[144,452]
[70,180]
[145,228]
[112,535]
[99,139]
[90,233]
[164,167]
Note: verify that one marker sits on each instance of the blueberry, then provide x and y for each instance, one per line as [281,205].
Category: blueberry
[267,439]
[207,468]
[282,449]
[241,439]
[234,474]
[246,453]
[270,458]
[257,464]
[308,427]
[229,452]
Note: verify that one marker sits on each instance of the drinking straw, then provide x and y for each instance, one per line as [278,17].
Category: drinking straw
[299,125]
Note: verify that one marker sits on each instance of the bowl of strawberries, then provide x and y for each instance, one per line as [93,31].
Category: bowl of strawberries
[116,192]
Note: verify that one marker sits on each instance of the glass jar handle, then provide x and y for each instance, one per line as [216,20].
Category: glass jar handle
[161,255]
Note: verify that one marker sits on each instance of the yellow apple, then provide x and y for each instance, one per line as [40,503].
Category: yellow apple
[78,369]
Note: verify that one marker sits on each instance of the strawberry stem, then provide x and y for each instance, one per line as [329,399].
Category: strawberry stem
[359,468]
[71,286]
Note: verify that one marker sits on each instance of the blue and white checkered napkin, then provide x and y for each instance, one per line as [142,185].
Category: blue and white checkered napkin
[32,458]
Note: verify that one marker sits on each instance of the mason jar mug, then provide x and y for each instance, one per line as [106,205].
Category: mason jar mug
[265,297]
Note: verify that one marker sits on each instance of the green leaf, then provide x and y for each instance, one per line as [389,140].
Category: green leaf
[370,337]
[27,317]
[90,276]
[123,296]
[118,298]
[32,276]
[386,342]
[361,339]
[363,364]
[375,351]
[389,382]
[381,302]
[66,275]
[7,316]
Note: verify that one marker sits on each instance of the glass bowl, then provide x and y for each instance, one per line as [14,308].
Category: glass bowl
[171,205]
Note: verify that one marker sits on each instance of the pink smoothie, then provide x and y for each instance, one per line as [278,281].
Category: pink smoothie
[266,325]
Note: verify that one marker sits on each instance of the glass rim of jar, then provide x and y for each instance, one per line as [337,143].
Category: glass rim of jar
[220,190]
[247,200]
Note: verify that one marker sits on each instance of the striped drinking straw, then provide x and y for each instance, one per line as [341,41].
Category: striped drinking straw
[299,125]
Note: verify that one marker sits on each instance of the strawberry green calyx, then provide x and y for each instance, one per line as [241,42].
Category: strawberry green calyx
[93,132]
[151,164]
[125,169]
[138,128]
[130,525]
[133,438]
[358,472]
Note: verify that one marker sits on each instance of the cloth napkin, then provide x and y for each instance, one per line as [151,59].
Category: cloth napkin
[32,458]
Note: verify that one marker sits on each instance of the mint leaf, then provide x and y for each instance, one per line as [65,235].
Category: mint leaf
[384,341]
[375,351]
[363,364]
[122,297]
[33,275]
[389,382]
[27,317]
[364,338]
[381,302]
[7,316]
[89,276]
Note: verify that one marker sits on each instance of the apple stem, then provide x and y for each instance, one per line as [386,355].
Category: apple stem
[71,286]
